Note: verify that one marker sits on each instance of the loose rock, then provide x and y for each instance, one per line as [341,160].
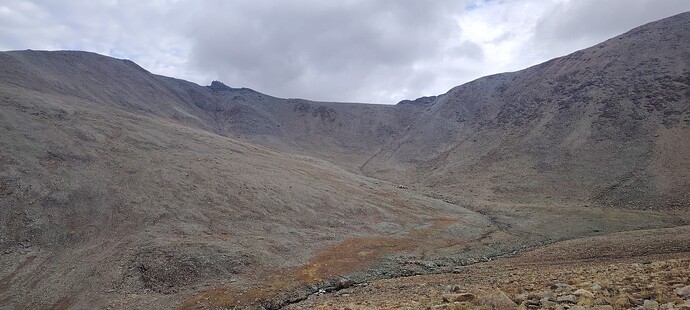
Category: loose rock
[651,305]
[458,297]
[584,293]
[497,300]
[567,299]
[683,292]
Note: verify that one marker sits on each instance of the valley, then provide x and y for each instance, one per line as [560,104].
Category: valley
[122,189]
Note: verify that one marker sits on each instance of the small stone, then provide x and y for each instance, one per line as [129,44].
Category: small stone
[558,286]
[596,287]
[584,293]
[546,303]
[519,298]
[651,305]
[668,305]
[567,298]
[683,292]
[635,301]
[533,303]
[676,281]
[497,300]
[622,302]
[343,284]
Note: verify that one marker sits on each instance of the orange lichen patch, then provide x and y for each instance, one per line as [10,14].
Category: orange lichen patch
[224,297]
[436,226]
[341,259]
[330,263]
[348,256]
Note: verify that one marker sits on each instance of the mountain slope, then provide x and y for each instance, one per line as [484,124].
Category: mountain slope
[345,133]
[154,206]
[608,124]
[605,125]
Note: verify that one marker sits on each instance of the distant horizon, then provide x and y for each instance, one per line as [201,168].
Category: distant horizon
[374,52]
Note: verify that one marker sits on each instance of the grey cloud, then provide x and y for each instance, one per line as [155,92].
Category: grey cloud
[349,50]
[469,50]
[148,32]
[577,24]
[323,49]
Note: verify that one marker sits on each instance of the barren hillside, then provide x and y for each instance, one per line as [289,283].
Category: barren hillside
[86,187]
[607,125]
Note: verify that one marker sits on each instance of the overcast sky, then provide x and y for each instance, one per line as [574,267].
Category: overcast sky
[379,51]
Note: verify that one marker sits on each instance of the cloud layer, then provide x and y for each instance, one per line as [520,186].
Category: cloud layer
[378,51]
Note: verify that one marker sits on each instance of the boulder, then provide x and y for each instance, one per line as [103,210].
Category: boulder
[651,305]
[497,300]
[584,293]
[683,292]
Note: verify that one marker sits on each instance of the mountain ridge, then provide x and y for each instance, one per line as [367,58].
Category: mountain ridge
[392,142]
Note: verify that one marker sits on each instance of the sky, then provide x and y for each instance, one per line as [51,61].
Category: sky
[376,51]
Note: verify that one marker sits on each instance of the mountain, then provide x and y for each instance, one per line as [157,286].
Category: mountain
[103,177]
[125,189]
[606,125]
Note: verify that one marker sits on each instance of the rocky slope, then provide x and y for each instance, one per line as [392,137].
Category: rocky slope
[606,125]
[154,206]
[601,274]
[345,133]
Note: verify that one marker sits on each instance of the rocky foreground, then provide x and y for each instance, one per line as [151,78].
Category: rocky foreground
[644,283]
[647,269]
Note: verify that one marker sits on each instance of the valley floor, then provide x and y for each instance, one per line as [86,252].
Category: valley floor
[616,271]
